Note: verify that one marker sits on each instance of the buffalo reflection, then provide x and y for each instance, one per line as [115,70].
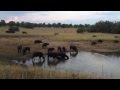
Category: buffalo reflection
[74,54]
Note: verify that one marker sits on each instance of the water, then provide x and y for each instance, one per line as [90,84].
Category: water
[106,65]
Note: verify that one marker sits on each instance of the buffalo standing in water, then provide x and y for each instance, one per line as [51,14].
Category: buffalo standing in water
[62,49]
[25,49]
[40,55]
[73,49]
[50,50]
[59,56]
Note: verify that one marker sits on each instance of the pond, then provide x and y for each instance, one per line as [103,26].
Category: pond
[105,65]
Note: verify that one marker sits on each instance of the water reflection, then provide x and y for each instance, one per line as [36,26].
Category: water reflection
[39,62]
[74,54]
[105,64]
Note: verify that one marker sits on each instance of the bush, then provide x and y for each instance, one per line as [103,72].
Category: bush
[80,30]
[13,28]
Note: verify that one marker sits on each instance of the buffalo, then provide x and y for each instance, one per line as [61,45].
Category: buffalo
[73,48]
[10,31]
[37,41]
[19,48]
[38,54]
[25,49]
[59,56]
[100,41]
[50,50]
[24,32]
[116,41]
[64,49]
[59,49]
[45,45]
[93,43]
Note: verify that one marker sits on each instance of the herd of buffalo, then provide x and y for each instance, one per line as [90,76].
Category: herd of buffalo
[60,54]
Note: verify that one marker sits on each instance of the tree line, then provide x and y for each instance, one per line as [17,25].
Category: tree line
[100,26]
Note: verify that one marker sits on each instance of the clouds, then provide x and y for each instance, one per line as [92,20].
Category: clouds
[74,17]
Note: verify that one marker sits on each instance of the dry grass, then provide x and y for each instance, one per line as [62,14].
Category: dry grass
[9,42]
[18,72]
[65,34]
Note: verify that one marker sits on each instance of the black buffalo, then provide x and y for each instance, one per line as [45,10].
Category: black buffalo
[73,49]
[24,32]
[62,56]
[59,56]
[50,50]
[59,49]
[116,41]
[10,31]
[37,41]
[100,41]
[64,49]
[93,43]
[25,49]
[45,45]
[19,48]
[38,54]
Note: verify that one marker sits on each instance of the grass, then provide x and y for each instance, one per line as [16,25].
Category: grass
[9,43]
[19,72]
[65,34]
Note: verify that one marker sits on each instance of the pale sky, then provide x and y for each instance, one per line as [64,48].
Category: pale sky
[68,17]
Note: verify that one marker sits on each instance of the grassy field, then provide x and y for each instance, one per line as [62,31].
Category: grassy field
[67,36]
[19,72]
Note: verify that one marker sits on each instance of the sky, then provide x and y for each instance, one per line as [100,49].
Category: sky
[68,17]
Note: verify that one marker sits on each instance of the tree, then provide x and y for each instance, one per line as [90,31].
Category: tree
[2,23]
[11,23]
[13,28]
[79,30]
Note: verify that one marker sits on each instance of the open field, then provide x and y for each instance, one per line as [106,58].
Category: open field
[67,36]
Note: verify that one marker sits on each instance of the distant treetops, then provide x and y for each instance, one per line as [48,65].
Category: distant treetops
[101,26]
